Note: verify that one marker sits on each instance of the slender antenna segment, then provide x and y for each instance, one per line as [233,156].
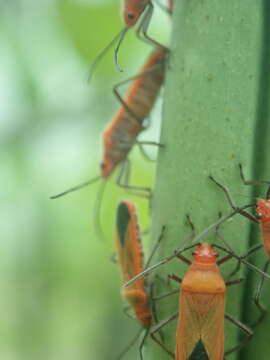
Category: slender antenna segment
[122,35]
[77,187]
[102,53]
[97,210]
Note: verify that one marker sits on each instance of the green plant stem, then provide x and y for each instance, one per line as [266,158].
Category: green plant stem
[210,112]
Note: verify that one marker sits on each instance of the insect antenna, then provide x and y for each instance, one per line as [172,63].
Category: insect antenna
[97,210]
[122,35]
[103,52]
[75,188]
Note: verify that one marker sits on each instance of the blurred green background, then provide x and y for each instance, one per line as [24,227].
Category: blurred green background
[60,291]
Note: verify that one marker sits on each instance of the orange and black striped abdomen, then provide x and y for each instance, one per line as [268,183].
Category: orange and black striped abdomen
[130,258]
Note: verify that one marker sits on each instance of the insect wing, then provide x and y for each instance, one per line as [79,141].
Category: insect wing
[199,352]
[128,243]
[201,327]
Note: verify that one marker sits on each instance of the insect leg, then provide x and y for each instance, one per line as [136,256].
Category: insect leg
[257,297]
[248,264]
[249,253]
[154,309]
[253,182]
[231,202]
[183,258]
[152,143]
[126,311]
[168,10]
[97,210]
[160,326]
[224,259]
[175,278]
[144,153]
[156,246]
[142,150]
[159,297]
[233,282]
[142,33]
[130,79]
[142,343]
[123,181]
[195,242]
[244,328]
[221,261]
[127,348]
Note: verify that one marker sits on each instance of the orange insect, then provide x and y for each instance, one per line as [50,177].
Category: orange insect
[131,12]
[120,135]
[200,331]
[122,132]
[131,260]
[130,257]
[201,312]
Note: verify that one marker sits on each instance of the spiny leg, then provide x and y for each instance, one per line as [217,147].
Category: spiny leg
[233,282]
[163,7]
[254,182]
[142,343]
[142,31]
[126,311]
[231,202]
[159,297]
[244,328]
[97,210]
[257,297]
[144,153]
[241,258]
[158,327]
[154,309]
[123,181]
[221,261]
[252,250]
[141,145]
[251,182]
[218,234]
[156,246]
[129,346]
[238,265]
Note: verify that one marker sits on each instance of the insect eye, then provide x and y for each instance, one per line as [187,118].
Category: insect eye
[131,15]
